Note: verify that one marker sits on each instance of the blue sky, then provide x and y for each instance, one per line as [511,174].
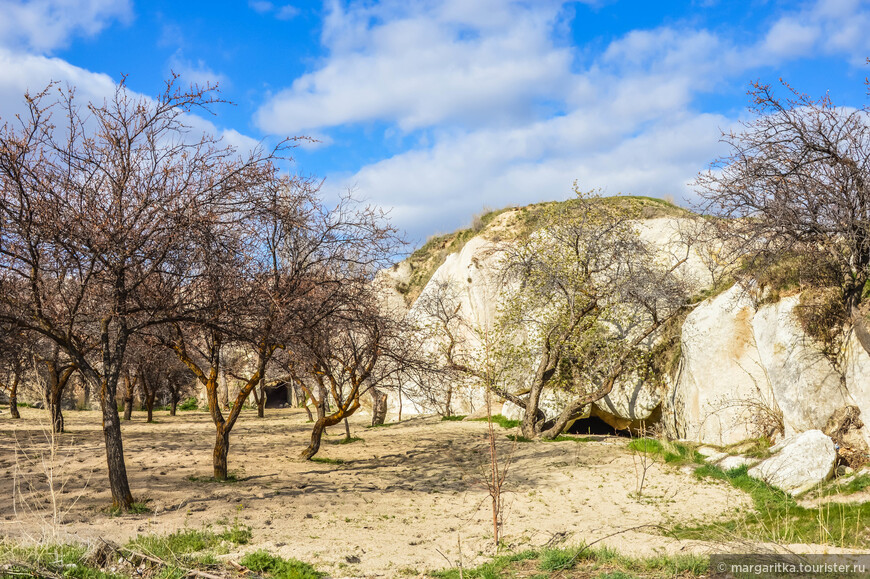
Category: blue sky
[439,108]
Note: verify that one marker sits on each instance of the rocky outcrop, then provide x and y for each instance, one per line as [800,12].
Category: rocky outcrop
[721,388]
[745,370]
[806,386]
[750,371]
[799,463]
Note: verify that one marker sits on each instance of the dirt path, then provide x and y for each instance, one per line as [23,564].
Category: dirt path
[403,501]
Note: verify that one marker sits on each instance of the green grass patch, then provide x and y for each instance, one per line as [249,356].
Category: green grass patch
[670,452]
[278,568]
[519,438]
[500,420]
[347,440]
[850,486]
[754,448]
[324,460]
[582,562]
[453,418]
[178,545]
[777,517]
[189,404]
[48,560]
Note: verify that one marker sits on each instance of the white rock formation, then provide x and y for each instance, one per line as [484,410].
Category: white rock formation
[800,462]
[805,384]
[743,368]
[722,382]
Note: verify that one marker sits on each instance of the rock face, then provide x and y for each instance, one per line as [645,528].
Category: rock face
[722,383]
[800,462]
[746,370]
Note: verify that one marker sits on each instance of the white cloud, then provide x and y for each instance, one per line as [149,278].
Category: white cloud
[286,12]
[44,25]
[195,72]
[422,64]
[471,74]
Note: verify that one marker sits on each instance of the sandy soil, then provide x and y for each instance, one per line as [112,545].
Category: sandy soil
[406,499]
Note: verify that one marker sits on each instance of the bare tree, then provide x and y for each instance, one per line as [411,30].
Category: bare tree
[98,205]
[795,187]
[13,360]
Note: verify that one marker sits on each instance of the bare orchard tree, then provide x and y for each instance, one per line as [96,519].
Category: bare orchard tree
[343,342]
[58,369]
[253,281]
[98,203]
[14,359]
[796,186]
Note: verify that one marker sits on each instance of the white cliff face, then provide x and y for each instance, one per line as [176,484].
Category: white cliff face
[856,368]
[743,368]
[722,382]
[805,383]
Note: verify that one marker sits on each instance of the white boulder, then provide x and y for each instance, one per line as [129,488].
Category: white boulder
[800,462]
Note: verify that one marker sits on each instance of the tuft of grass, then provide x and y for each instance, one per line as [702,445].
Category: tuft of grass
[453,418]
[777,517]
[263,562]
[346,440]
[324,460]
[500,420]
[519,438]
[671,452]
[48,560]
[583,562]
[853,485]
[137,508]
[177,545]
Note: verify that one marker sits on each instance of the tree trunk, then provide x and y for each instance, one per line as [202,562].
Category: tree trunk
[13,398]
[316,435]
[346,429]
[128,397]
[379,407]
[149,406]
[261,404]
[56,413]
[173,403]
[122,498]
[221,451]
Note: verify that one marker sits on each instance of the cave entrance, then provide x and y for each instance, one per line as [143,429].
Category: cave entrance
[595,425]
[278,396]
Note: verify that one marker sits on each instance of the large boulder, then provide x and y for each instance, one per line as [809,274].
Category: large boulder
[799,463]
[856,370]
[722,385]
[805,384]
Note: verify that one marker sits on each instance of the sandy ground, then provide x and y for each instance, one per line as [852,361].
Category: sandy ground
[408,498]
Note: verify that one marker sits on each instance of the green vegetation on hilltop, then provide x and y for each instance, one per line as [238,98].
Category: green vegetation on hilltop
[428,258]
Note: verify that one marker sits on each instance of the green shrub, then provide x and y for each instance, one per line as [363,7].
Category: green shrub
[189,404]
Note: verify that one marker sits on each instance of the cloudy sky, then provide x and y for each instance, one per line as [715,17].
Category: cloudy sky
[439,108]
